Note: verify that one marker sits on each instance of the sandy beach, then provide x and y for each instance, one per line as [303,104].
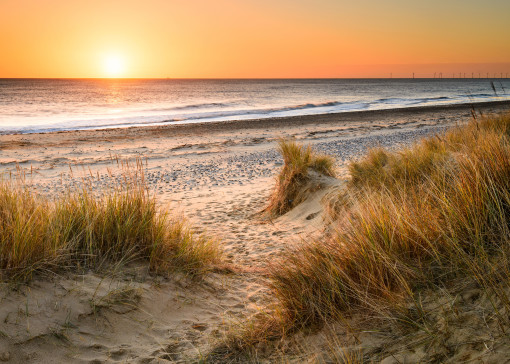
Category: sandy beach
[219,175]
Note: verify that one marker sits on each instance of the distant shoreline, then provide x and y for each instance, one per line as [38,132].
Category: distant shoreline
[277,122]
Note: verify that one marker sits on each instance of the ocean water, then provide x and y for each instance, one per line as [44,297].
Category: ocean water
[43,105]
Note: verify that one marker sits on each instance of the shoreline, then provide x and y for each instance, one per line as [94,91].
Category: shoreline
[279,121]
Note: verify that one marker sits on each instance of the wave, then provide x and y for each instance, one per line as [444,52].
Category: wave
[309,105]
[477,95]
[396,100]
[237,110]
[196,106]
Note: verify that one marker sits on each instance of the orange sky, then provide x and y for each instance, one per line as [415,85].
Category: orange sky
[253,38]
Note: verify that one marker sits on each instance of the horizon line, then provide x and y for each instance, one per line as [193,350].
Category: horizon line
[262,78]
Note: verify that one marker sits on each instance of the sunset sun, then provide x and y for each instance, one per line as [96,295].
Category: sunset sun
[114,65]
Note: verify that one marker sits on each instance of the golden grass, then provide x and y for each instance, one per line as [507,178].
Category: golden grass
[298,160]
[416,218]
[413,220]
[85,229]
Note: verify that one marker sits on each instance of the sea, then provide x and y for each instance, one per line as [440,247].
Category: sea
[46,105]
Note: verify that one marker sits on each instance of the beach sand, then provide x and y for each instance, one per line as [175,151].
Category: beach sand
[220,176]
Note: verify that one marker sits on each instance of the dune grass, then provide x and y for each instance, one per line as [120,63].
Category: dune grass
[298,160]
[414,220]
[87,229]
[417,218]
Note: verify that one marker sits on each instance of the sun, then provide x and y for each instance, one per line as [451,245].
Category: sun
[114,65]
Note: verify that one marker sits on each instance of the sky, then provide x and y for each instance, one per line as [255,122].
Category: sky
[253,38]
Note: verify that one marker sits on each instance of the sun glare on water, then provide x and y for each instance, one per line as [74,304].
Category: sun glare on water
[114,66]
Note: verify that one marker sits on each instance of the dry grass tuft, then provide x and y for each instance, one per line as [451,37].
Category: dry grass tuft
[294,175]
[244,342]
[84,229]
[416,218]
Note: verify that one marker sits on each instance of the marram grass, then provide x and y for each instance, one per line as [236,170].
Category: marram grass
[416,218]
[413,220]
[81,228]
[298,160]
